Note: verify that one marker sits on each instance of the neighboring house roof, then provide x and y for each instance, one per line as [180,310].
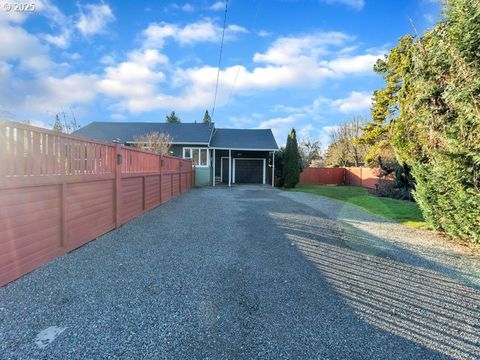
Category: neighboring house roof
[244,139]
[182,133]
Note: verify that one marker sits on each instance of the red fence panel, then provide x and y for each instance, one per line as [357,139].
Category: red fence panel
[59,191]
[353,176]
[357,176]
[322,176]
[89,211]
[152,191]
[362,176]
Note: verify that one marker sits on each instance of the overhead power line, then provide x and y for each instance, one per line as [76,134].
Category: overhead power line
[220,57]
[238,68]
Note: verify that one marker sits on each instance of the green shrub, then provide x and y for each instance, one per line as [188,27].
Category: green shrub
[292,162]
[430,112]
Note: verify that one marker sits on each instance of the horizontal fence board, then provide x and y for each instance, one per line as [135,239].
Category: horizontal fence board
[18,230]
[19,268]
[152,191]
[132,198]
[166,188]
[322,176]
[59,191]
[90,211]
[24,247]
[357,176]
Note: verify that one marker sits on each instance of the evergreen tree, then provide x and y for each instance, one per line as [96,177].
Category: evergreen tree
[172,118]
[291,166]
[428,113]
[206,118]
[57,126]
[279,161]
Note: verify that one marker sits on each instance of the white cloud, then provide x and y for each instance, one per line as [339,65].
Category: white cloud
[134,81]
[17,44]
[52,93]
[354,64]
[93,19]
[146,80]
[305,117]
[281,126]
[325,134]
[243,121]
[305,131]
[188,7]
[356,101]
[57,20]
[74,56]
[218,6]
[288,50]
[148,57]
[304,61]
[201,31]
[61,40]
[13,17]
[355,4]
[107,60]
[5,72]
[288,62]
[264,33]
[50,11]
[36,98]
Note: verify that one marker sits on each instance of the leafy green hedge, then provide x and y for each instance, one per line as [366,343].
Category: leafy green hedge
[431,108]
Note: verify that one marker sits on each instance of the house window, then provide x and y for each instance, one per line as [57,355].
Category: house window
[199,156]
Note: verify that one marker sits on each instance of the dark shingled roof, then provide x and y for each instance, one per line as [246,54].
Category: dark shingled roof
[191,133]
[243,139]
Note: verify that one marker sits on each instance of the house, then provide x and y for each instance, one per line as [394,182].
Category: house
[220,156]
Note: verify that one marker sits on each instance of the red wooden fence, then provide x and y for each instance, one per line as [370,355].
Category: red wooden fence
[362,176]
[359,176]
[322,176]
[58,192]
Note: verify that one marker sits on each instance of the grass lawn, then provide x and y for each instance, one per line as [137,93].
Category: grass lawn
[405,212]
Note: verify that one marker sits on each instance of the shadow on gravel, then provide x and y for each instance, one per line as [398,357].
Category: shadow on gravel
[400,297]
[355,231]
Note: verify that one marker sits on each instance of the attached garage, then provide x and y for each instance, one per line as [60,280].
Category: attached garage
[241,156]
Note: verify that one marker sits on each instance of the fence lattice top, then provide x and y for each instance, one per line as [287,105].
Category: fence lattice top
[28,151]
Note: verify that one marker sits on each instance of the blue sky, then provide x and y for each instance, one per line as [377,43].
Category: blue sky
[286,63]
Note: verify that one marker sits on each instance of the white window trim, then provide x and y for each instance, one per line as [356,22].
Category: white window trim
[191,153]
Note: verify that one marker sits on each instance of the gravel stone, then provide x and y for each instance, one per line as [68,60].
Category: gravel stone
[250,272]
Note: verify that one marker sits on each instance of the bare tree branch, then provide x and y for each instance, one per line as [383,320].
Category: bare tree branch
[156,142]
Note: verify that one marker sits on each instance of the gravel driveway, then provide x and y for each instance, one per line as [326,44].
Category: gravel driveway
[249,272]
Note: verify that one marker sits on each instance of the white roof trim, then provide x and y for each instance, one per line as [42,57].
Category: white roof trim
[245,149]
[174,143]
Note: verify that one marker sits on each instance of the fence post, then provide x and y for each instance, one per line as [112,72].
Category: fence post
[63,216]
[118,183]
[180,168]
[144,190]
[161,176]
